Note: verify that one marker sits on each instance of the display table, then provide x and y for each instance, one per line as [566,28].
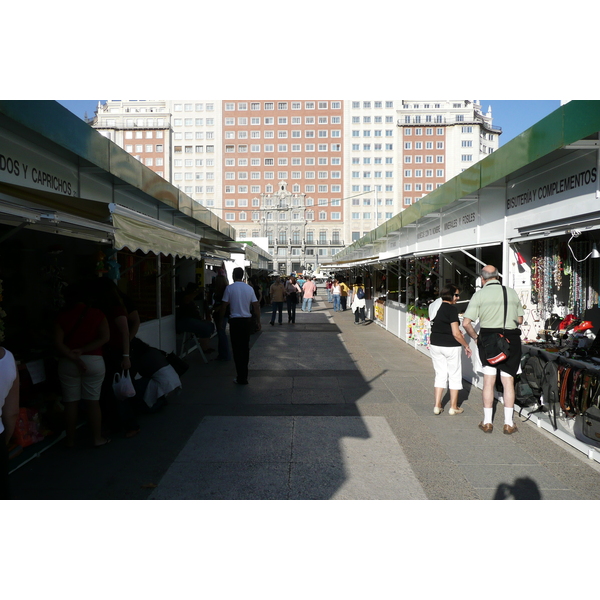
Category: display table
[568,429]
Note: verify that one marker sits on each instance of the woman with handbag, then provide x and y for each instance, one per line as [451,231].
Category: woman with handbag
[445,347]
[292,289]
[358,304]
[80,332]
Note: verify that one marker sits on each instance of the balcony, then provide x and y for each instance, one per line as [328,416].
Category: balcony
[103,123]
[305,243]
[449,120]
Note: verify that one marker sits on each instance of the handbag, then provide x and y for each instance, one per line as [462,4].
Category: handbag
[123,386]
[496,347]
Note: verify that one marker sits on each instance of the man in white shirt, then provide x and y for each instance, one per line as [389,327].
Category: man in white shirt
[242,301]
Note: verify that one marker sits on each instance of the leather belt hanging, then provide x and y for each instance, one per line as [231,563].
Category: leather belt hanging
[587,385]
[593,393]
[575,393]
[564,372]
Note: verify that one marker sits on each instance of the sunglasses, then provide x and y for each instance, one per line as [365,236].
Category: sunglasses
[457,295]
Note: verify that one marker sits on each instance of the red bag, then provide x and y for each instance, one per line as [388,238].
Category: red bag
[22,436]
[27,429]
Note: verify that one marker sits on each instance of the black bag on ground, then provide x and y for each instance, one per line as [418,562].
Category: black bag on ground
[145,359]
[524,395]
[533,374]
[177,363]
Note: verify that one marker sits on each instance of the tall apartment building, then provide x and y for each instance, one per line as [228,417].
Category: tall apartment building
[140,127]
[440,140]
[372,157]
[290,147]
[397,151]
[349,165]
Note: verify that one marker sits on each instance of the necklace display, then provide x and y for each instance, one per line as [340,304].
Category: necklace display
[552,267]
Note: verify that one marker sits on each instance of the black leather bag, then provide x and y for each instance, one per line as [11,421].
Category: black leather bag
[496,347]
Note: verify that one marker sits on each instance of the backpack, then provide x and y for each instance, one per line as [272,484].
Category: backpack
[360,294]
[531,378]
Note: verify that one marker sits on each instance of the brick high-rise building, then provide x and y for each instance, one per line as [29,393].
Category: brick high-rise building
[295,147]
[353,163]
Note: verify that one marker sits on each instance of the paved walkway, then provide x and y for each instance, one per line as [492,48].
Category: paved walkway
[332,411]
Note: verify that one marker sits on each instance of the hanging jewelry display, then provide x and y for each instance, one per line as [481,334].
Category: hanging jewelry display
[557,269]
[536,273]
[579,280]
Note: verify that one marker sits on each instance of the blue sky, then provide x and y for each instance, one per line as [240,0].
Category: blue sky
[514,116]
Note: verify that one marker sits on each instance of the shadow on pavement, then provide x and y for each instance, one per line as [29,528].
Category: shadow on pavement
[291,433]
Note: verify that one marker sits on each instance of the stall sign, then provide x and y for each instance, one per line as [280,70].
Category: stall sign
[23,164]
[379,309]
[553,183]
[465,219]
[426,232]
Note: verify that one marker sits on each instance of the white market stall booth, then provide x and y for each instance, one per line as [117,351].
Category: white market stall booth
[532,209]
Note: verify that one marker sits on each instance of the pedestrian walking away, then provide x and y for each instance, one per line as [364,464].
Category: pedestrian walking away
[308,292]
[344,290]
[277,292]
[328,287]
[358,303]
[336,293]
[292,291]
[245,308]
[446,345]
[488,306]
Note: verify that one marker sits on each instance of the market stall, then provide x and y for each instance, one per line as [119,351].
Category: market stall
[531,210]
[73,205]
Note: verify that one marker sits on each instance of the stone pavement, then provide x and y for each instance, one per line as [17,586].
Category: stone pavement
[332,411]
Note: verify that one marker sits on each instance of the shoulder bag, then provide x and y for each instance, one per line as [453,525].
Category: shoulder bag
[496,347]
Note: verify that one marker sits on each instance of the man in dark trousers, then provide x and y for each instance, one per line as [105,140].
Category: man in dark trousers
[242,300]
[487,306]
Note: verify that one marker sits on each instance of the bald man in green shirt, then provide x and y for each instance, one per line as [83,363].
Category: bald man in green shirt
[487,307]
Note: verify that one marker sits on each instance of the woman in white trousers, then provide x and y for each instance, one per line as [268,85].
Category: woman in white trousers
[446,345]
